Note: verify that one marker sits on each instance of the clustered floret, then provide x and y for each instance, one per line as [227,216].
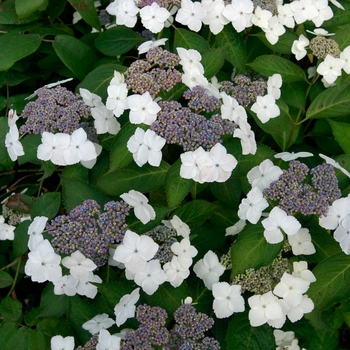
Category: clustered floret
[296,195]
[188,332]
[322,46]
[55,110]
[156,73]
[89,230]
[179,125]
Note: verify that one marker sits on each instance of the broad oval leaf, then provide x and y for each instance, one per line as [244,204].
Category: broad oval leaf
[332,281]
[117,40]
[26,44]
[189,40]
[212,61]
[5,279]
[76,55]
[331,103]
[88,11]
[143,179]
[11,309]
[25,8]
[46,205]
[341,132]
[268,65]
[176,187]
[232,43]
[251,250]
[98,80]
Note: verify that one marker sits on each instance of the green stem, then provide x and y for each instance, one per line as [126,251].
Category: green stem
[19,259]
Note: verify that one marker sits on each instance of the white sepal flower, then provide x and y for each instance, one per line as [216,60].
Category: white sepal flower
[12,118]
[126,307]
[135,251]
[6,231]
[12,143]
[263,175]
[142,109]
[90,99]
[85,288]
[43,263]
[147,45]
[265,108]
[300,270]
[106,341]
[236,228]
[291,289]
[339,209]
[301,243]
[334,164]
[274,30]
[331,68]
[299,47]
[146,147]
[97,323]
[261,17]
[247,136]
[153,17]
[274,84]
[251,207]
[150,277]
[104,120]
[279,220]
[181,228]
[342,235]
[52,147]
[78,265]
[143,211]
[65,285]
[79,148]
[191,14]
[57,342]
[228,299]
[287,156]
[184,251]
[239,13]
[209,269]
[345,56]
[304,307]
[231,109]
[176,273]
[215,18]
[117,98]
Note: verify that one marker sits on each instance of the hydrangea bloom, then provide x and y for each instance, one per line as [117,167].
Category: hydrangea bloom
[301,243]
[126,307]
[107,341]
[176,272]
[228,299]
[97,323]
[239,13]
[153,17]
[191,14]
[265,108]
[78,265]
[298,47]
[142,109]
[57,342]
[330,68]
[104,120]
[12,143]
[6,231]
[247,136]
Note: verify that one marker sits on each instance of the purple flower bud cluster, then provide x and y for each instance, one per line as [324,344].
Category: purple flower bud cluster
[156,74]
[179,125]
[162,3]
[165,237]
[89,230]
[199,100]
[188,332]
[269,5]
[151,331]
[191,326]
[244,89]
[55,110]
[296,195]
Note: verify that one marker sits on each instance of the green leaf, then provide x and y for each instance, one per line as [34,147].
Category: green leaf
[284,43]
[323,340]
[120,155]
[196,212]
[25,8]
[331,286]
[295,94]
[268,65]
[189,40]
[332,102]
[76,172]
[212,61]
[36,340]
[79,312]
[19,339]
[46,205]
[5,279]
[76,55]
[341,37]
[340,16]
[30,145]
[113,291]
[7,330]
[251,250]
[228,192]
[242,336]
[341,132]
[10,309]
[52,305]
[176,187]
[142,179]
[20,243]
[98,80]
[231,41]
[53,326]
[224,216]
[87,10]
[168,297]
[8,14]
[26,44]
[117,40]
